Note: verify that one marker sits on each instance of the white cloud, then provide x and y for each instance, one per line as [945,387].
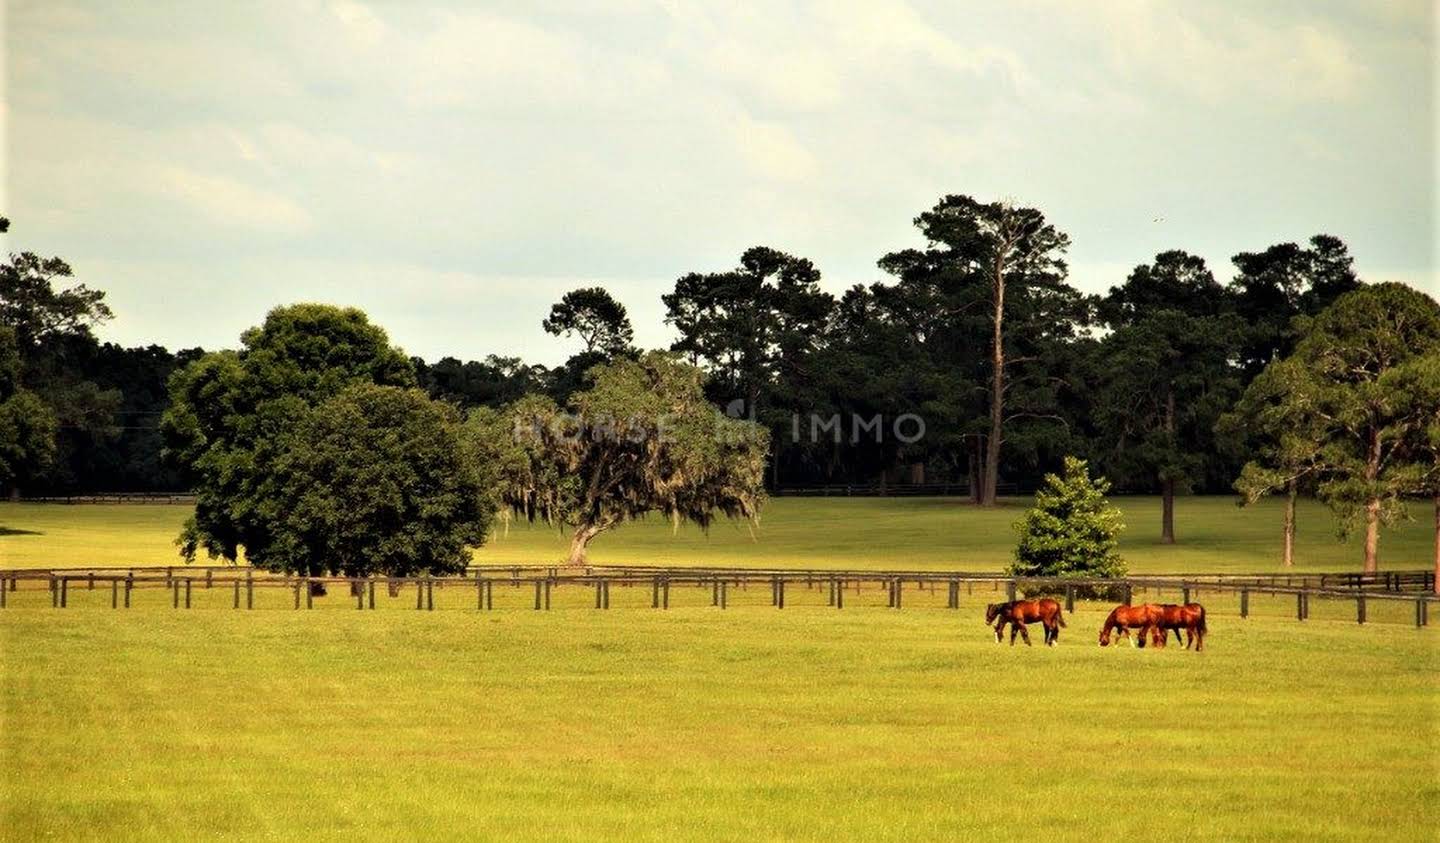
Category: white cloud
[230,202]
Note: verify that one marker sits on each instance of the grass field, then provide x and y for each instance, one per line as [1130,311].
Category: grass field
[1214,535]
[809,723]
[750,724]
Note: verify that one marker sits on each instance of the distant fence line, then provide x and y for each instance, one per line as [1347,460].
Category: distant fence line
[115,497]
[546,580]
[1415,580]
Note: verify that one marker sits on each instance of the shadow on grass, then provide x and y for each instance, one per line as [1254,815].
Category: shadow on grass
[10,531]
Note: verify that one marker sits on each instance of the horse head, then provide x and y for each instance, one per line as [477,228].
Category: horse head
[991,610]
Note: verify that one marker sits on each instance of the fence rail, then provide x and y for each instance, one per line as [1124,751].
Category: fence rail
[115,497]
[546,582]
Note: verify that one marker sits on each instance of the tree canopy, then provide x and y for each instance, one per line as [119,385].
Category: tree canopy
[641,439]
[1072,531]
[593,315]
[376,480]
[234,414]
[1349,369]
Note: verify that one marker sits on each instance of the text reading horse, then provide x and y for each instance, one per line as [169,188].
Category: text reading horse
[1018,613]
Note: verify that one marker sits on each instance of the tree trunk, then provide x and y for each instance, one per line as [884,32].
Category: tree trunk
[1167,484]
[1436,582]
[580,542]
[1372,535]
[1372,507]
[1287,557]
[997,385]
[1167,512]
[977,478]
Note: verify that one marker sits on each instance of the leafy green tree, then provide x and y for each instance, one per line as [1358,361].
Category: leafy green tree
[1354,353]
[27,424]
[233,414]
[642,439]
[1276,421]
[51,324]
[1273,287]
[1417,385]
[1003,265]
[1167,375]
[376,480]
[596,317]
[1072,531]
[755,329]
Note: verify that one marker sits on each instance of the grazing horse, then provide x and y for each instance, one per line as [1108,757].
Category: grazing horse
[1018,613]
[1145,618]
[1189,617]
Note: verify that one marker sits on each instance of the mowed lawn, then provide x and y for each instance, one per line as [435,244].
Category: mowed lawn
[920,533]
[697,724]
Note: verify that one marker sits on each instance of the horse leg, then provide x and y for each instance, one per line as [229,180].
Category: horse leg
[1140,637]
[1024,633]
[1014,630]
[999,630]
[1177,634]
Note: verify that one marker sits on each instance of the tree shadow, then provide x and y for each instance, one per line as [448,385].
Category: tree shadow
[10,531]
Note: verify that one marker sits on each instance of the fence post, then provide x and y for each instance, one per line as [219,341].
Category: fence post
[209,578]
[1129,593]
[309,594]
[236,588]
[779,593]
[537,595]
[1244,602]
[419,595]
[1070,598]
[358,585]
[129,584]
[840,596]
[479,593]
[606,590]
[1420,611]
[654,592]
[1360,609]
[548,583]
[429,593]
[489,595]
[297,594]
[4,589]
[175,595]
[114,595]
[715,592]
[665,594]
[1185,593]
[1010,591]
[249,589]
[90,578]
[64,592]
[187,592]
[899,589]
[724,593]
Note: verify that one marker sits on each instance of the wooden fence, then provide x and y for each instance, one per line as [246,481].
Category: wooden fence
[539,586]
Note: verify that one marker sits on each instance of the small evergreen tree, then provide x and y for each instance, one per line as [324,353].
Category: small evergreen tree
[1072,531]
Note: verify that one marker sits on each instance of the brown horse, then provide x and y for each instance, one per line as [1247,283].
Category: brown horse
[1018,613]
[1145,618]
[1189,617]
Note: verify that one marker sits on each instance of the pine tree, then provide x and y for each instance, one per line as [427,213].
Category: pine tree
[1072,531]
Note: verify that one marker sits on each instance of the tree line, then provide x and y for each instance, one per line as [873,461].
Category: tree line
[1170,382]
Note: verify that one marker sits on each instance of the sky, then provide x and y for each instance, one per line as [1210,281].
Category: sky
[453,169]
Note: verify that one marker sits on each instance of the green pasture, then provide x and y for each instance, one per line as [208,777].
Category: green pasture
[1214,535]
[750,724]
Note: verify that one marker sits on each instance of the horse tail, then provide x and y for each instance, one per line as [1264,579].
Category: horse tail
[1060,615]
[1201,624]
